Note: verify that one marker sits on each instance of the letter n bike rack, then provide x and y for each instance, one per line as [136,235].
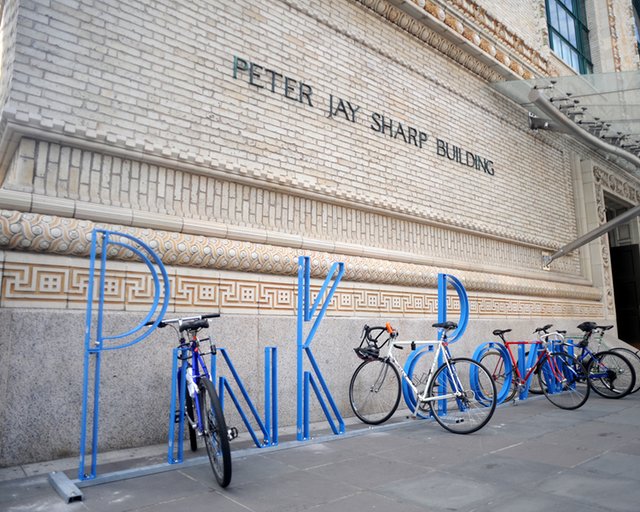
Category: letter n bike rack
[306,380]
[268,427]
[104,243]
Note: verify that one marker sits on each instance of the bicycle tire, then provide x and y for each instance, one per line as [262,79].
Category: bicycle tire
[190,412]
[611,375]
[470,411]
[634,359]
[564,380]
[216,435]
[374,391]
[493,361]
[534,386]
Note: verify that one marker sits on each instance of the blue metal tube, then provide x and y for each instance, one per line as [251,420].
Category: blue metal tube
[327,393]
[302,290]
[243,390]
[274,387]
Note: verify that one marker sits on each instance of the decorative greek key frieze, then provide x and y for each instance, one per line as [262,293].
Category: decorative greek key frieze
[64,286]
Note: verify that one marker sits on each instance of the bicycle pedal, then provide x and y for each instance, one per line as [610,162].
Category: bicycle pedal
[232,433]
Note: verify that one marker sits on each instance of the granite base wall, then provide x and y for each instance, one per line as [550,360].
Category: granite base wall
[42,367]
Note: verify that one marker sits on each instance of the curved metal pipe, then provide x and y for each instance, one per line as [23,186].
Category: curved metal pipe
[536,97]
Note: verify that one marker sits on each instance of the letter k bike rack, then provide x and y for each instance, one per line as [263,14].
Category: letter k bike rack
[306,379]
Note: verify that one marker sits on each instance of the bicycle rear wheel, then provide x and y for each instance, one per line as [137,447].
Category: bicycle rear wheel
[190,412]
[462,396]
[216,435]
[634,359]
[374,391]
[564,381]
[611,375]
[506,386]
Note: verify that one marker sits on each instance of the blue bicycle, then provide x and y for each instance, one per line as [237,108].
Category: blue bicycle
[611,375]
[203,412]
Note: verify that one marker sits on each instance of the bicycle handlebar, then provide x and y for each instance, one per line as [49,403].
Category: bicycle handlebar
[544,329]
[164,323]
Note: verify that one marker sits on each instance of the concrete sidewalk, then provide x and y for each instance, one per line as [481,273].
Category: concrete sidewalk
[531,457]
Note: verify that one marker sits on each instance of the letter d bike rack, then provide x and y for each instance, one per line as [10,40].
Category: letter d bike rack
[444,280]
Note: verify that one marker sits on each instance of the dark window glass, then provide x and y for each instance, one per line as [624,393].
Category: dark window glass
[636,17]
[568,32]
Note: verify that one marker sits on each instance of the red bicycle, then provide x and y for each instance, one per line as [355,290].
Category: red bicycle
[561,377]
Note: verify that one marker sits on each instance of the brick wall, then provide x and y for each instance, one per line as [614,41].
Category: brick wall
[161,72]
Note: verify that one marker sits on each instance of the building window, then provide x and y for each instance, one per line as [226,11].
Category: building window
[568,33]
[636,17]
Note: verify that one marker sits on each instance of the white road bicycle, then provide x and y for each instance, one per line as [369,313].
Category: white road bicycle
[459,393]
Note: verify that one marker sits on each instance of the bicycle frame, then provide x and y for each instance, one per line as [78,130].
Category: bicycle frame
[197,364]
[543,353]
[441,353]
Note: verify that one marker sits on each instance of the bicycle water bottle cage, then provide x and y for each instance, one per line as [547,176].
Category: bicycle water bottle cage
[194,325]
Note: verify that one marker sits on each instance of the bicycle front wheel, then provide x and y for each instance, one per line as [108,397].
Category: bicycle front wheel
[374,392]
[462,396]
[216,435]
[564,381]
[611,375]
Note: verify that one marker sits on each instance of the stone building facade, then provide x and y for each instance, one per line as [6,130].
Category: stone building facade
[235,136]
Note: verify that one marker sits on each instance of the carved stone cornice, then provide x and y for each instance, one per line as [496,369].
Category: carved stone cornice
[487,39]
[65,236]
[617,62]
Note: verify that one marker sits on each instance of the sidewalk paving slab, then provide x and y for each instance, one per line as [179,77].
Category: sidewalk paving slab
[530,457]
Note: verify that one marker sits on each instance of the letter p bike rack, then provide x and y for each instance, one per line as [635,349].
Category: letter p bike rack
[104,243]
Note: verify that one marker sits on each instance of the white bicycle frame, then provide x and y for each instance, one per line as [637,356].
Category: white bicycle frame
[440,351]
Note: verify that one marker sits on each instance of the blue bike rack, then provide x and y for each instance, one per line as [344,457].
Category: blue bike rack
[101,241]
[305,379]
[444,280]
[269,427]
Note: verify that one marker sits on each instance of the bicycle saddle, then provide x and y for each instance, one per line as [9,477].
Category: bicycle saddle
[194,324]
[445,325]
[587,326]
[543,329]
[500,332]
